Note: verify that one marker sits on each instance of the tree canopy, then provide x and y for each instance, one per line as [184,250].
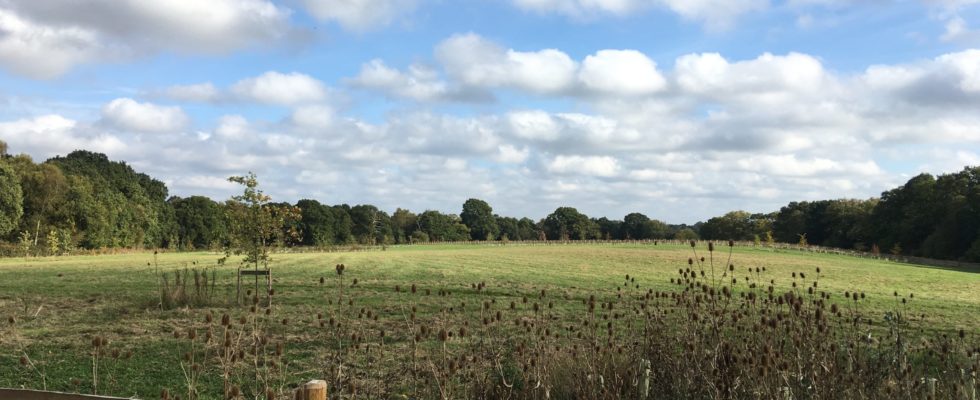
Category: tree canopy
[84,200]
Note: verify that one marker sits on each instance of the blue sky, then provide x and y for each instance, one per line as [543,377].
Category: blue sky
[680,109]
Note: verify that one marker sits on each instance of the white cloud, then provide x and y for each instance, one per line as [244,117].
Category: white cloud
[791,165]
[419,83]
[476,61]
[621,72]
[128,114]
[951,81]
[769,78]
[232,127]
[534,125]
[510,154]
[603,166]
[41,51]
[45,40]
[200,92]
[207,182]
[359,15]
[281,89]
[758,132]
[316,117]
[50,135]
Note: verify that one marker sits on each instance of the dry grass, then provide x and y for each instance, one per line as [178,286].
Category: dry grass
[590,334]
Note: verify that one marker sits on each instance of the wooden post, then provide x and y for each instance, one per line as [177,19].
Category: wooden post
[971,390]
[312,390]
[238,293]
[930,393]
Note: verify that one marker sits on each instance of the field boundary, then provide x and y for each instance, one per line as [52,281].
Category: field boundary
[912,260]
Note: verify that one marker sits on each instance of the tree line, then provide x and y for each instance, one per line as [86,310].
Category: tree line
[84,200]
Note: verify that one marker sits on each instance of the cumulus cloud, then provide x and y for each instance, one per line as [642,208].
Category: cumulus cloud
[51,135]
[626,72]
[475,64]
[281,89]
[772,79]
[956,29]
[604,166]
[45,39]
[476,61]
[755,131]
[419,83]
[359,15]
[949,80]
[128,114]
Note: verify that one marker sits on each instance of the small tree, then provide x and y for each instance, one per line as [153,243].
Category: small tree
[770,241]
[802,241]
[896,250]
[52,242]
[255,225]
[66,244]
[26,242]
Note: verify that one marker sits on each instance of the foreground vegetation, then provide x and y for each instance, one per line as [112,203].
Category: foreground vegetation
[512,321]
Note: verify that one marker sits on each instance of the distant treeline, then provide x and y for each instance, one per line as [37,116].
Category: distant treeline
[84,200]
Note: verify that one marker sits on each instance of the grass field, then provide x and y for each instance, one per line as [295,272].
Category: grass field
[61,303]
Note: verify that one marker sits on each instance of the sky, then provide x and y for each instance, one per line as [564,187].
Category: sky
[679,109]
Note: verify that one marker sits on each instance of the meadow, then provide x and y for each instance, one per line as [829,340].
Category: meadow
[496,321]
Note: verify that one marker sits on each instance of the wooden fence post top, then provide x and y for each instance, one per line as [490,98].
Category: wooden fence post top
[312,390]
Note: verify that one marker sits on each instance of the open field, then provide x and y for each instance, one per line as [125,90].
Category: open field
[61,304]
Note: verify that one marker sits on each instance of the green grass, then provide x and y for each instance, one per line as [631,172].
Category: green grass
[61,303]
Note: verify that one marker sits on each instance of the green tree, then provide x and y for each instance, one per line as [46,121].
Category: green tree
[53,244]
[635,227]
[609,229]
[26,242]
[478,216]
[566,223]
[735,225]
[528,229]
[255,226]
[342,224]
[403,223]
[11,200]
[317,223]
[201,222]
[686,234]
[443,227]
[368,223]
[66,243]
[508,228]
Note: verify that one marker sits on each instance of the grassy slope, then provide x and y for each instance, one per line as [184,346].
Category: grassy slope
[114,295]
